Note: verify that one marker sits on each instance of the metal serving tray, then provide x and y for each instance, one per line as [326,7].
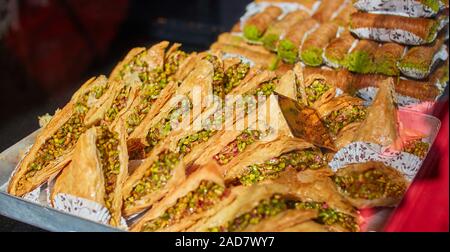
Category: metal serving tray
[31,213]
[53,220]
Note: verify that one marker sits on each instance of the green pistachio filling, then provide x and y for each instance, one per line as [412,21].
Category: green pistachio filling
[432,4]
[246,138]
[54,147]
[118,105]
[162,129]
[343,117]
[277,204]
[266,88]
[218,77]
[186,144]
[415,65]
[270,41]
[315,91]
[287,51]
[312,56]
[360,62]
[108,148]
[153,83]
[200,200]
[155,177]
[252,33]
[417,148]
[234,75]
[387,66]
[299,160]
[370,184]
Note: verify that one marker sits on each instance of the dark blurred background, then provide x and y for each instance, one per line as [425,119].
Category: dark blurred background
[48,48]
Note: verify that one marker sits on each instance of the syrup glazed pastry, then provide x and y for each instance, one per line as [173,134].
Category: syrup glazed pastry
[279,28]
[327,10]
[98,170]
[311,201]
[312,48]
[54,145]
[342,113]
[371,184]
[338,49]
[266,161]
[398,29]
[256,25]
[380,125]
[145,79]
[200,196]
[419,61]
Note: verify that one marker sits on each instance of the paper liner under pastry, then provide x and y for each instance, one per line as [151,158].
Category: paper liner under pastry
[407,8]
[360,152]
[427,107]
[85,209]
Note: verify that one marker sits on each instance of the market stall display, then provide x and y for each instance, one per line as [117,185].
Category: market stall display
[173,141]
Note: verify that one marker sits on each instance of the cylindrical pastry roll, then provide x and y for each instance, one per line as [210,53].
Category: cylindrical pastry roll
[386,58]
[362,56]
[255,27]
[389,28]
[279,28]
[289,46]
[418,62]
[336,52]
[53,147]
[316,42]
[409,8]
[264,59]
[327,10]
[371,184]
[343,17]
[98,170]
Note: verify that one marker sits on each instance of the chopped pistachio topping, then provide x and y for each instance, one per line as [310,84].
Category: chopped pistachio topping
[234,75]
[186,144]
[55,146]
[312,56]
[360,62]
[246,138]
[201,199]
[155,177]
[299,160]
[118,105]
[252,33]
[153,83]
[370,184]
[270,41]
[162,129]
[277,204]
[108,148]
[340,118]
[316,90]
[287,51]
[266,88]
[418,148]
[218,77]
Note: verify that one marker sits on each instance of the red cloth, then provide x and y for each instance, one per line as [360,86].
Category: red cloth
[425,207]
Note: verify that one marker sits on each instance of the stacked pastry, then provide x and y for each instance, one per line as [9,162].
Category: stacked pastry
[379,39]
[172,141]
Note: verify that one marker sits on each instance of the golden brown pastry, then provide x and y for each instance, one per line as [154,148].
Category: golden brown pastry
[98,170]
[282,205]
[54,144]
[200,196]
[371,184]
